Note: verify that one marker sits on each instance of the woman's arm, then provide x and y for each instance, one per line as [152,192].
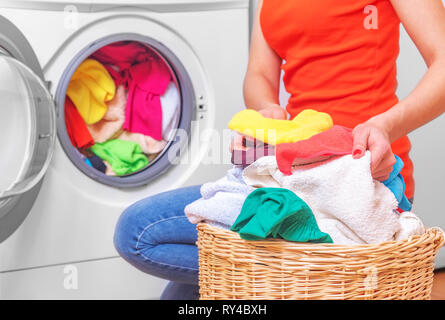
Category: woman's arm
[262,80]
[424,21]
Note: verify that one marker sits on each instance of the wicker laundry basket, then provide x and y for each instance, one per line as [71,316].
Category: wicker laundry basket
[233,268]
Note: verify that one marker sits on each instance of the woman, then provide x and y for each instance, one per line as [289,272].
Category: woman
[338,57]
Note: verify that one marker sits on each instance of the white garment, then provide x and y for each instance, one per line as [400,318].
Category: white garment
[410,225]
[347,203]
[221,200]
[170,102]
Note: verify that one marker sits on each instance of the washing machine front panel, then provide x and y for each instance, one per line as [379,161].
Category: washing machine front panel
[74,216]
[99,5]
[27,122]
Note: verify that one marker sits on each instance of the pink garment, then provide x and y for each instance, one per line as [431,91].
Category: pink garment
[333,142]
[146,77]
[122,54]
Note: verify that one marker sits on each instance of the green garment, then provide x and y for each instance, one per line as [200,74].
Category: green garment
[124,156]
[278,213]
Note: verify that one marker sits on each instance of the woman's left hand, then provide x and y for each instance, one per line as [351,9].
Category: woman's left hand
[370,136]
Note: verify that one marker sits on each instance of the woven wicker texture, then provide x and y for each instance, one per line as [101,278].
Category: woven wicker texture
[233,268]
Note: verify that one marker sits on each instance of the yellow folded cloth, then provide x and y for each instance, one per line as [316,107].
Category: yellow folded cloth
[90,87]
[272,131]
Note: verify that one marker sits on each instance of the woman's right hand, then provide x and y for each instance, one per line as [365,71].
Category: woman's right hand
[275,111]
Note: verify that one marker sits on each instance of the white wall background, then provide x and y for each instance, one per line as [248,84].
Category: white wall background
[428,151]
[428,145]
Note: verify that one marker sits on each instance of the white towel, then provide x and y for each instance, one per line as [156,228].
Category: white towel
[410,225]
[170,102]
[348,204]
[221,200]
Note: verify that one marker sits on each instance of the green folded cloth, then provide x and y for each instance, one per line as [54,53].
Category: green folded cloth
[123,156]
[278,213]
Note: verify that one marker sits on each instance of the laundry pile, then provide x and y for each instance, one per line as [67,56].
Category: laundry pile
[121,108]
[297,180]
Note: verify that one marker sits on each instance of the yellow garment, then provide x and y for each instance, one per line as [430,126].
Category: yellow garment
[90,87]
[272,131]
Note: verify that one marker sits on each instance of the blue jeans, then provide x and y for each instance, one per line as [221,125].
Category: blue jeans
[155,236]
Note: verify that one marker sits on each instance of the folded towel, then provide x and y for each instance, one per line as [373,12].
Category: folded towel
[347,203]
[272,131]
[221,200]
[277,213]
[410,225]
[113,119]
[90,87]
[396,184]
[335,141]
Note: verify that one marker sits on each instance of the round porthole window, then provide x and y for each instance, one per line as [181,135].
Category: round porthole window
[121,102]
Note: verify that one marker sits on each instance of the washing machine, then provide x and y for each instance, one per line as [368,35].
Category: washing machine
[57,214]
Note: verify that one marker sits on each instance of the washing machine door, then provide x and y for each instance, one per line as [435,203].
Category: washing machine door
[27,128]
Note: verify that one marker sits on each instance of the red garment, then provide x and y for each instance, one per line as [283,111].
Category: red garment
[339,58]
[335,141]
[76,128]
[146,78]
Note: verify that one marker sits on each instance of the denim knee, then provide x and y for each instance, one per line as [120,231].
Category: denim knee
[155,236]
[126,233]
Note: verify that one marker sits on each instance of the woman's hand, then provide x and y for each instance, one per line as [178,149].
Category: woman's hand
[371,136]
[275,111]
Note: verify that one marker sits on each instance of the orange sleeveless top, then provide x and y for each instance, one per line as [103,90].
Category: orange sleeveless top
[339,57]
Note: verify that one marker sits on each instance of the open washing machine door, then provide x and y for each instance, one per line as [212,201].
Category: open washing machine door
[27,127]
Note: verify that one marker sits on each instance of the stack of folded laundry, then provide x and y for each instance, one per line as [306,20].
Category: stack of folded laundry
[297,180]
[121,107]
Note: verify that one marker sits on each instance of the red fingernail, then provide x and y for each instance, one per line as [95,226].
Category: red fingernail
[357,152]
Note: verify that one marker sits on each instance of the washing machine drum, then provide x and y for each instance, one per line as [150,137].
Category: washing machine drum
[27,126]
[142,152]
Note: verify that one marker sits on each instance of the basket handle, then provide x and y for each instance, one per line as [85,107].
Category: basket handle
[441,237]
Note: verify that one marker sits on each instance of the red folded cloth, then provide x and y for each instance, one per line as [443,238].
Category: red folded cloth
[76,127]
[146,78]
[335,141]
